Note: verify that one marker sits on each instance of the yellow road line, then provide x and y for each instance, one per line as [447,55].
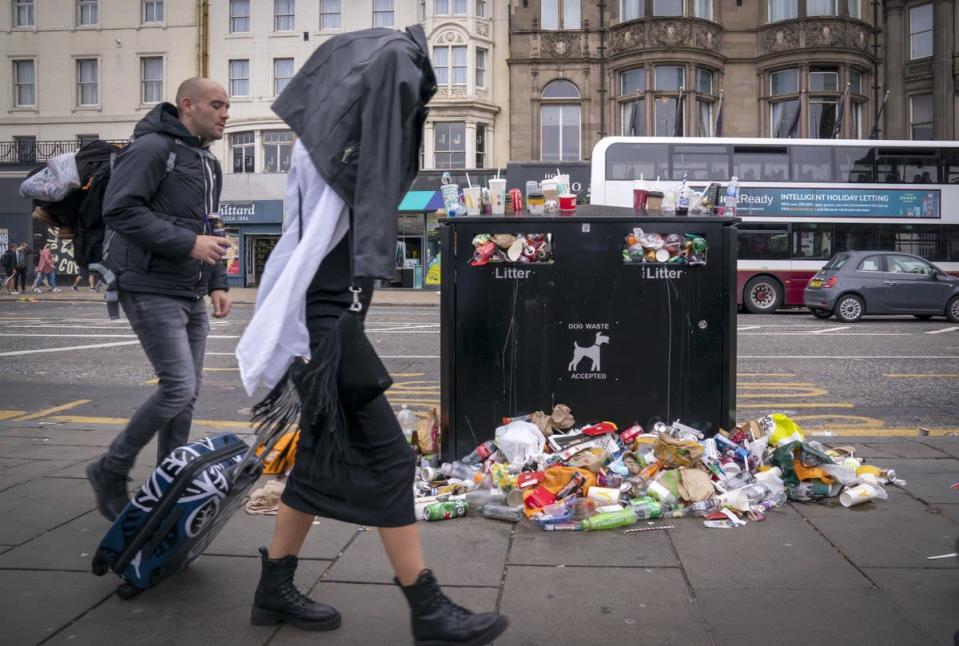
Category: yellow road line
[122,421]
[7,414]
[765,374]
[949,375]
[896,432]
[46,412]
[795,405]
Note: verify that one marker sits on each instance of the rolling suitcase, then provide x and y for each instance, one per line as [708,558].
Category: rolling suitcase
[180,509]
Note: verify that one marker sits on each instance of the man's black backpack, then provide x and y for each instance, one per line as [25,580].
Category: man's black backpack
[80,214]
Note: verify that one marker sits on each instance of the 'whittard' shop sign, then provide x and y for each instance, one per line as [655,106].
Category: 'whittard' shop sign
[256,212]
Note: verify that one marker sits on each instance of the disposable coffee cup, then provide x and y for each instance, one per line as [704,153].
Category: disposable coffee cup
[497,193]
[451,197]
[567,203]
[659,492]
[640,197]
[654,200]
[603,495]
[472,199]
[550,189]
[515,497]
[858,495]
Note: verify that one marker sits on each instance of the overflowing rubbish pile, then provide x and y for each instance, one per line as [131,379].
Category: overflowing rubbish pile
[567,477]
[673,248]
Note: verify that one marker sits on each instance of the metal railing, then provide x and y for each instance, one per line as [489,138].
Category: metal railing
[35,152]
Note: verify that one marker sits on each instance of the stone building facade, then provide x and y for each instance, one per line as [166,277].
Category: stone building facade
[584,69]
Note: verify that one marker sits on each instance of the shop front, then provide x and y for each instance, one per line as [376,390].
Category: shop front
[253,229]
[418,241]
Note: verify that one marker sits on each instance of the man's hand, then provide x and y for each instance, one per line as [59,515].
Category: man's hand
[210,249]
[221,302]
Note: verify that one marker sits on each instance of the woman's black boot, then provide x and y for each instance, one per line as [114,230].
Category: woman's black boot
[278,601]
[437,621]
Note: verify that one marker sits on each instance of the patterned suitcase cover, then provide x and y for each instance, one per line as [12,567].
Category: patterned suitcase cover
[177,512]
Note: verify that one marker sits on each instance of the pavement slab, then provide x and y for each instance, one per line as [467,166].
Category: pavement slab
[68,547]
[914,449]
[208,603]
[378,614]
[29,449]
[600,605]
[774,553]
[468,551]
[533,546]
[930,597]
[29,469]
[949,511]
[37,604]
[899,532]
[948,445]
[245,533]
[64,436]
[39,506]
[930,480]
[801,617]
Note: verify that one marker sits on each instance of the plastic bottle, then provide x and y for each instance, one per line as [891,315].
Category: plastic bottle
[731,202]
[647,509]
[446,510]
[610,520]
[480,453]
[682,207]
[502,511]
[703,507]
[479,498]
[407,420]
[457,470]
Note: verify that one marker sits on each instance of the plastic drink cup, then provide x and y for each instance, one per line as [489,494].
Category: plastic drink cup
[514,498]
[640,196]
[451,197]
[654,200]
[497,193]
[550,191]
[660,493]
[472,199]
[858,495]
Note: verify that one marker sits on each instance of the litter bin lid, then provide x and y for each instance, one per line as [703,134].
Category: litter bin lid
[593,212]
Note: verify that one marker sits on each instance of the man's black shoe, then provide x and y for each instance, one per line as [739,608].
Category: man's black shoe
[110,489]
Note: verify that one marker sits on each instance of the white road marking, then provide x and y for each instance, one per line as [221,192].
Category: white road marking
[830,329]
[101,336]
[748,327]
[914,357]
[835,335]
[16,353]
[409,356]
[945,329]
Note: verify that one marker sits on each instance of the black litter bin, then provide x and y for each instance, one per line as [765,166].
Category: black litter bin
[614,340]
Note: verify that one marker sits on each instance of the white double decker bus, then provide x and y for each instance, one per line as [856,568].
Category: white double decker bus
[802,200]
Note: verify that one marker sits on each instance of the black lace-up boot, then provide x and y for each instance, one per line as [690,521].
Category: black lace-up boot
[437,621]
[278,601]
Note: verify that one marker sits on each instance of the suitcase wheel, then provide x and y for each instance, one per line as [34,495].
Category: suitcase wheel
[128,591]
[101,561]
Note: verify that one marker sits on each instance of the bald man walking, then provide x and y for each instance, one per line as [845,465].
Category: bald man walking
[157,205]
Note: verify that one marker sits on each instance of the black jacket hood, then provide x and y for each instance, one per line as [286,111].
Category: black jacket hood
[164,119]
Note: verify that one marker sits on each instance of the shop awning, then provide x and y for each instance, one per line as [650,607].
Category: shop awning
[421,201]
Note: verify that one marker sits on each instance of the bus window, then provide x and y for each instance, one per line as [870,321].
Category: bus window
[854,164]
[630,161]
[950,165]
[812,241]
[950,243]
[854,237]
[920,241]
[908,166]
[709,163]
[811,164]
[763,242]
[757,163]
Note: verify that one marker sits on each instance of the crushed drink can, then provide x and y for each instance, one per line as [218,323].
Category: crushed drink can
[446,510]
[483,253]
[216,226]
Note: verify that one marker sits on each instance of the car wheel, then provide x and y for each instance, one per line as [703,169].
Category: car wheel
[849,308]
[820,313]
[923,317]
[763,295]
[952,310]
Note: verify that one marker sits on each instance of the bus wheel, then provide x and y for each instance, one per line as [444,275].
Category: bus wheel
[820,313]
[763,295]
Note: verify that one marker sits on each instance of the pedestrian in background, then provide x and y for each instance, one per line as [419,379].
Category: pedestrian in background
[161,192]
[46,270]
[341,197]
[83,273]
[8,261]
[23,254]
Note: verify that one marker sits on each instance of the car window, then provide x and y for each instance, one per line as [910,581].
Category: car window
[908,265]
[870,263]
[837,261]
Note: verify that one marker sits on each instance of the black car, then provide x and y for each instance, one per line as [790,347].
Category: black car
[854,283]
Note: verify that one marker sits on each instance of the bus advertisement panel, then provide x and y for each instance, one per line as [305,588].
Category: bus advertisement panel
[833,203]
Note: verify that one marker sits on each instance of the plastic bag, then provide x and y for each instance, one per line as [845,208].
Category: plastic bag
[520,441]
[54,182]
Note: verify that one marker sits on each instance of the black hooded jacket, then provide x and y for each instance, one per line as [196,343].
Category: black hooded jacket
[157,212]
[358,105]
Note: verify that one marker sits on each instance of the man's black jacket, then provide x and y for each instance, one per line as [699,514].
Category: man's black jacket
[358,106]
[157,212]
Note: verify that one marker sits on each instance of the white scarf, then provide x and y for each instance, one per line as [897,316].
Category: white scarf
[277,334]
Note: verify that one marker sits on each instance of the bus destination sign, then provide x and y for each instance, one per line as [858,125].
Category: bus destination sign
[839,203]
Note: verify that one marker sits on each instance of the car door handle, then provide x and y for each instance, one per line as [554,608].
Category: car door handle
[890,283]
